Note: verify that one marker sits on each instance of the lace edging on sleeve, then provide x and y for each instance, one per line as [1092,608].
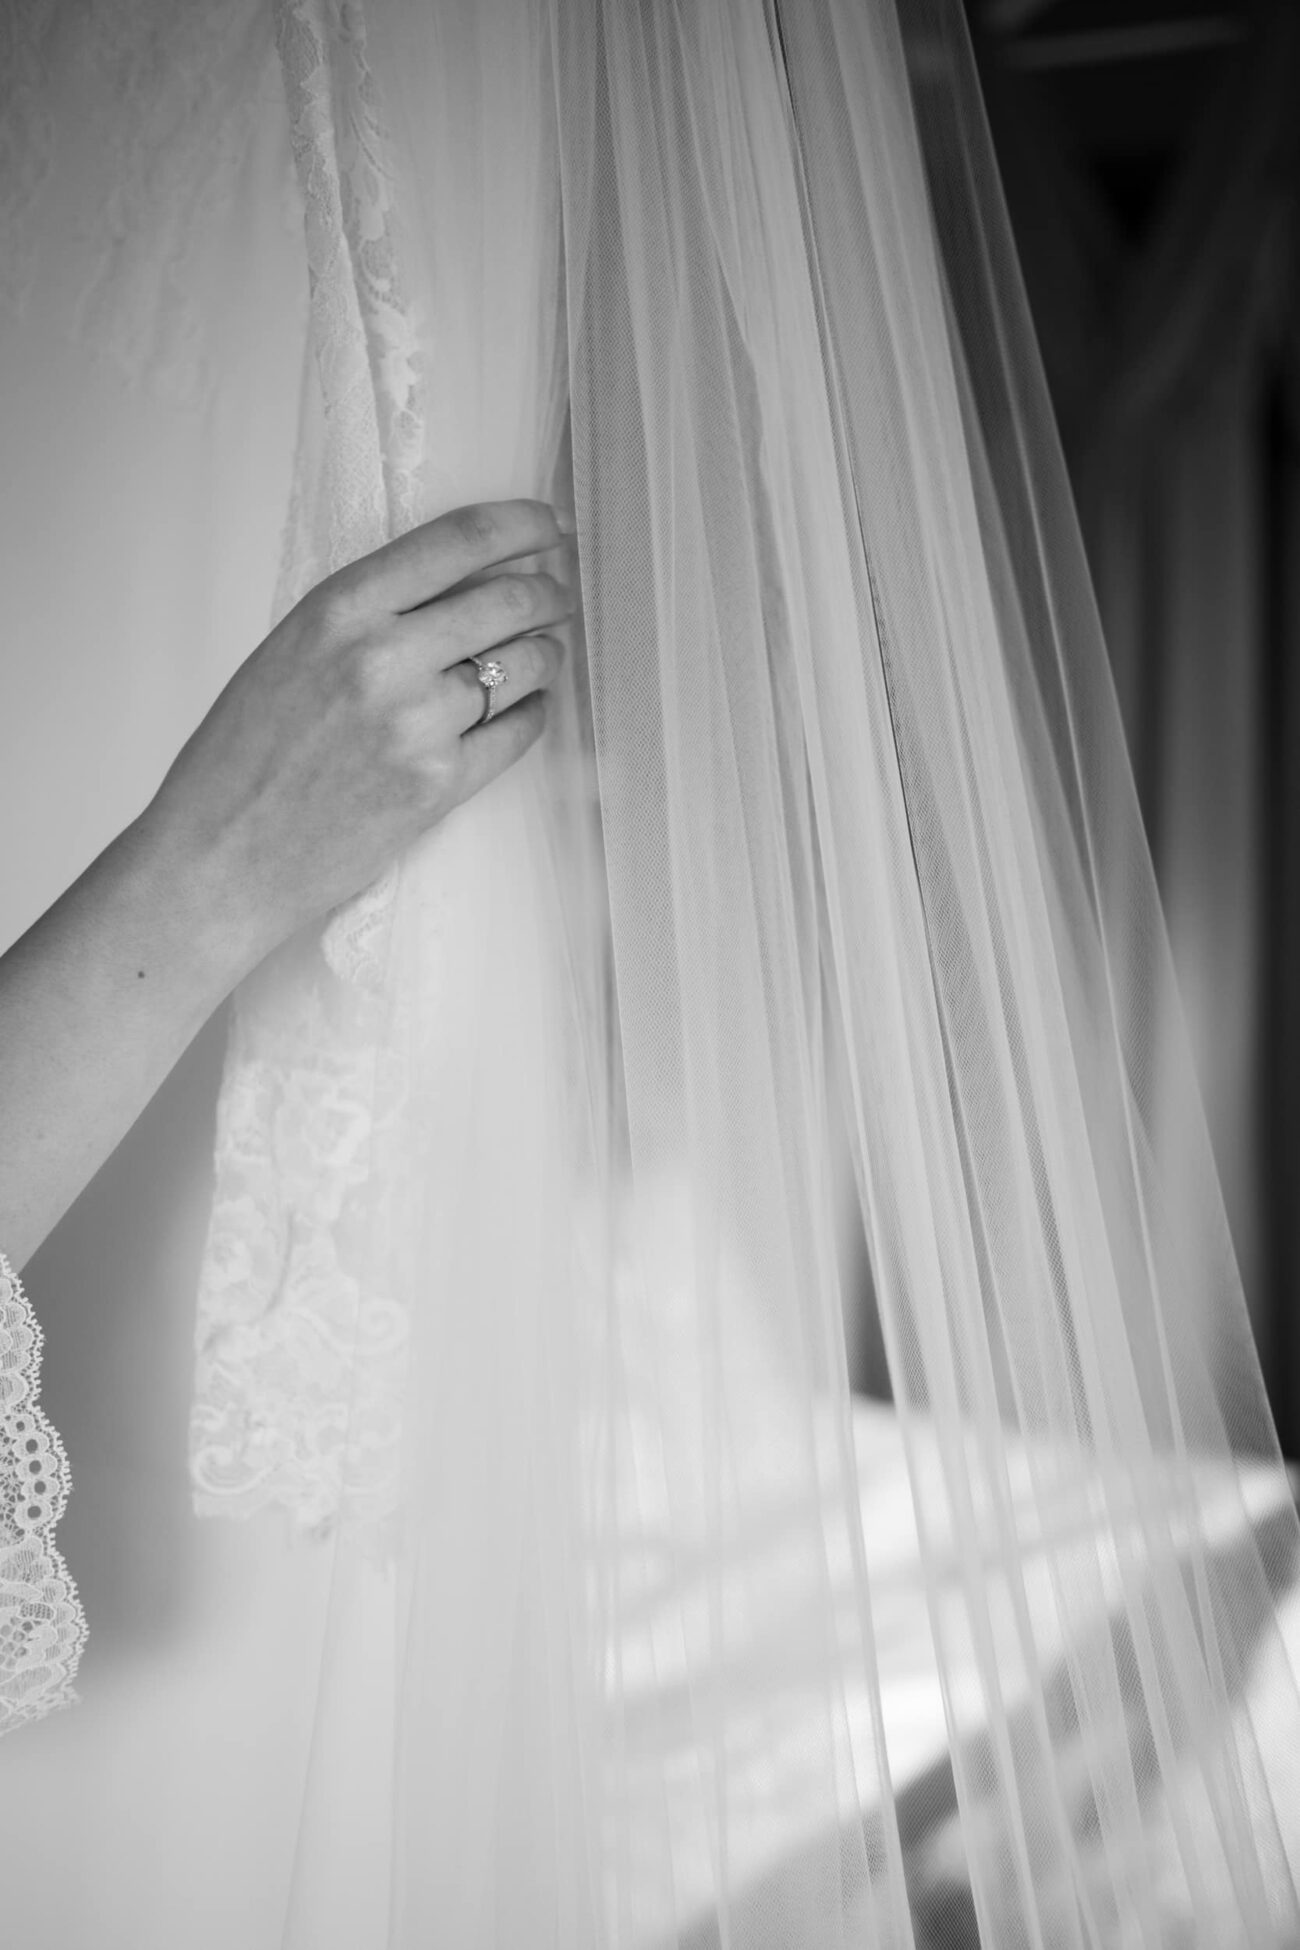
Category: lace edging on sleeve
[42,1625]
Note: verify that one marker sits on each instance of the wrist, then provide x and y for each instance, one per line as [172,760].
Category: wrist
[193,901]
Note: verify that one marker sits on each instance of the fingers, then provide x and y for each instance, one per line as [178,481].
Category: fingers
[494,747]
[439,554]
[491,613]
[531,663]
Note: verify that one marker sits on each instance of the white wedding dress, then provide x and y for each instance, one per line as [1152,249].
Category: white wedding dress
[577,1601]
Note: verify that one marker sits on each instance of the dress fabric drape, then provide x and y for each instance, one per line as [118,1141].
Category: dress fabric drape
[520,1334]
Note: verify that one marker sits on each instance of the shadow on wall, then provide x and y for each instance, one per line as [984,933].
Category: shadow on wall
[114,1286]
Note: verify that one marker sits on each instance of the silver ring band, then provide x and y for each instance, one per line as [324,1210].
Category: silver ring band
[491,675]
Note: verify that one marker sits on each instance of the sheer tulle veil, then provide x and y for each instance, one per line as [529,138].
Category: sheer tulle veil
[522,1304]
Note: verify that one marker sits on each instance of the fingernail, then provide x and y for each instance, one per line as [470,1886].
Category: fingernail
[566,521]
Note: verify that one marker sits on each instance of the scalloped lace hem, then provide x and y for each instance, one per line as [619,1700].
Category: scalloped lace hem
[42,1625]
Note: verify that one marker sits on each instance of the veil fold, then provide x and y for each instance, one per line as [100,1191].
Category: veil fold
[521,1301]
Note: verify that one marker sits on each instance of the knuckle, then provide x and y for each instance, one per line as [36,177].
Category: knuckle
[474,526]
[333,604]
[370,673]
[518,595]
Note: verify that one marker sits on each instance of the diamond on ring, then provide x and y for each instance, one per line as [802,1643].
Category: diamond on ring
[491,675]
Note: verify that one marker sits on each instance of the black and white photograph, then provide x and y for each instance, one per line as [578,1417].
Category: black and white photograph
[649,974]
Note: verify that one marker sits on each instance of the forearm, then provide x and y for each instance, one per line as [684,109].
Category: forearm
[352,728]
[98,1000]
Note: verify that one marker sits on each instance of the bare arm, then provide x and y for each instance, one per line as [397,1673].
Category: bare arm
[350,730]
[97,1001]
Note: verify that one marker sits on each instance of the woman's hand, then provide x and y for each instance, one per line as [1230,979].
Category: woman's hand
[344,735]
[355,725]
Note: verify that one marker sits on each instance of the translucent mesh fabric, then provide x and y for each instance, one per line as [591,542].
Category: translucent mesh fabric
[859,785]
[522,1296]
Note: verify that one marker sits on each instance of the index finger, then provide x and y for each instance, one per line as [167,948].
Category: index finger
[430,559]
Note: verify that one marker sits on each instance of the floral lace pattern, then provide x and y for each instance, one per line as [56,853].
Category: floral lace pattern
[367,352]
[300,1363]
[301,1346]
[42,1626]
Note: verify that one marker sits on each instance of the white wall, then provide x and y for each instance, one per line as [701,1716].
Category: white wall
[138,549]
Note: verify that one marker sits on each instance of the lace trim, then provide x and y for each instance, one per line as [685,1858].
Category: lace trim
[42,1625]
[301,1346]
[367,351]
[300,1363]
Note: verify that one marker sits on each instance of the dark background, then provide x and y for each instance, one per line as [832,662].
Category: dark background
[1149,153]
